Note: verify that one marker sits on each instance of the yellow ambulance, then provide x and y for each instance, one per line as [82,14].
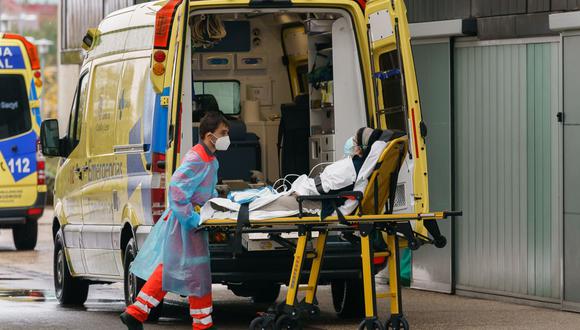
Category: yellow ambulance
[296,78]
[22,178]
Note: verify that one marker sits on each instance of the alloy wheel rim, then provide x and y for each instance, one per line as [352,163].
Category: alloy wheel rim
[59,272]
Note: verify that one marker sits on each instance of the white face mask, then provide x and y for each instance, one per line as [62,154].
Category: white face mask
[349,147]
[222,143]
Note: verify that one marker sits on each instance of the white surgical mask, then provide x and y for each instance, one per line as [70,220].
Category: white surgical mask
[349,146]
[222,143]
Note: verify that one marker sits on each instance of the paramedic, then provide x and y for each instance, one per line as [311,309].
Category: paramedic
[174,256]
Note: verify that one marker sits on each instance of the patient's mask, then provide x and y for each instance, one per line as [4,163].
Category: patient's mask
[349,147]
[222,143]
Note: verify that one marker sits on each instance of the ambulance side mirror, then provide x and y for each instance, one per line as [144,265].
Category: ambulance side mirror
[49,138]
[90,39]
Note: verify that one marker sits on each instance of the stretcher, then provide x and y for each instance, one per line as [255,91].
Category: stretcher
[373,215]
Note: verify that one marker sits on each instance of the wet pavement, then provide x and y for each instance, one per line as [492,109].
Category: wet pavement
[27,302]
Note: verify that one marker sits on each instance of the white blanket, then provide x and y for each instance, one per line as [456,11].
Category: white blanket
[336,176]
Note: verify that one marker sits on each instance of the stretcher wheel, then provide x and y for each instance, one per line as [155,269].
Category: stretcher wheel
[286,322]
[374,325]
[313,311]
[413,244]
[262,323]
[397,323]
[440,242]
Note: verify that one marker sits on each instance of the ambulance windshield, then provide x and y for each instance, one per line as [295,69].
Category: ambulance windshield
[14,110]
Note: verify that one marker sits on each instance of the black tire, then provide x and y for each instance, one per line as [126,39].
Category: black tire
[69,290]
[26,235]
[286,322]
[377,325]
[399,323]
[267,294]
[348,298]
[132,284]
[262,323]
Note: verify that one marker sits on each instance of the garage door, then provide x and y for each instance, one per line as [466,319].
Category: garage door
[506,101]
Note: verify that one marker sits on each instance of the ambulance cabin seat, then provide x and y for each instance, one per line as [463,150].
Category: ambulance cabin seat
[293,134]
[244,154]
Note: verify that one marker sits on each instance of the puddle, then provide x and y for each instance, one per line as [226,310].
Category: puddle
[25,295]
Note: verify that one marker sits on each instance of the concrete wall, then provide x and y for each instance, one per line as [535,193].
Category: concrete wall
[496,19]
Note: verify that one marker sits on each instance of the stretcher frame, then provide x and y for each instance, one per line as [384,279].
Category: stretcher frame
[397,227]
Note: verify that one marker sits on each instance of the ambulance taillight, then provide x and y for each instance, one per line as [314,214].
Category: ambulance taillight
[40,165]
[158,186]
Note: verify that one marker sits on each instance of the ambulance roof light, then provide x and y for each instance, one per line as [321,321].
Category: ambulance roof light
[30,49]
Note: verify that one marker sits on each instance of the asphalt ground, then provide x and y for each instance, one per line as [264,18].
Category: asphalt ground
[27,301]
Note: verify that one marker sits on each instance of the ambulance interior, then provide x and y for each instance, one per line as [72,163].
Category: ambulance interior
[289,77]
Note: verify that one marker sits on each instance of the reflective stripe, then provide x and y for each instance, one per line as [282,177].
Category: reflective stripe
[205,321]
[202,311]
[142,306]
[148,298]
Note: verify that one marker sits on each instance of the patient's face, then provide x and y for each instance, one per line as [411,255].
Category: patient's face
[357,149]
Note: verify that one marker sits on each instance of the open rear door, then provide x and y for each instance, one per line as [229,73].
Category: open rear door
[396,95]
[167,71]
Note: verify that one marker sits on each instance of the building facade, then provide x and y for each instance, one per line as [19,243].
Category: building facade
[500,97]
[74,18]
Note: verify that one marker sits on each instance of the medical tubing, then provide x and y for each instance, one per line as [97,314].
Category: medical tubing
[285,180]
[207,31]
[312,170]
[283,185]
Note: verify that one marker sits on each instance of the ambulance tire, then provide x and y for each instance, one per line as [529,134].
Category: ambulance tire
[132,284]
[348,298]
[26,235]
[71,291]
[267,294]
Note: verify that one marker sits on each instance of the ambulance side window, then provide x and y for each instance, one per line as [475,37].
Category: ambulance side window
[392,93]
[77,113]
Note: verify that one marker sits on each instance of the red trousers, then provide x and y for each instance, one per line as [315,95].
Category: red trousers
[152,293]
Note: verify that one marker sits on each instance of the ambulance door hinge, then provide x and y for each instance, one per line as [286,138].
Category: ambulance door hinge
[165,101]
[423,128]
[560,117]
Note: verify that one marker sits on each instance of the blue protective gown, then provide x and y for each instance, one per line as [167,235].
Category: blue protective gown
[173,241]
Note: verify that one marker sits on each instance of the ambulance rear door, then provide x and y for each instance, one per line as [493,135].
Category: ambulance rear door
[167,62]
[397,105]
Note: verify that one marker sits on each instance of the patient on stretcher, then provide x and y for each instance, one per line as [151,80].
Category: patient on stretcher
[348,174]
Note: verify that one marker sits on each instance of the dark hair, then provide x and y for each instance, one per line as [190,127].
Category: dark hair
[375,135]
[210,122]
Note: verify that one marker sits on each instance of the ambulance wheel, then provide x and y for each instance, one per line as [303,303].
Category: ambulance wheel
[348,298]
[69,290]
[262,323]
[267,294]
[133,284]
[25,236]
[286,322]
